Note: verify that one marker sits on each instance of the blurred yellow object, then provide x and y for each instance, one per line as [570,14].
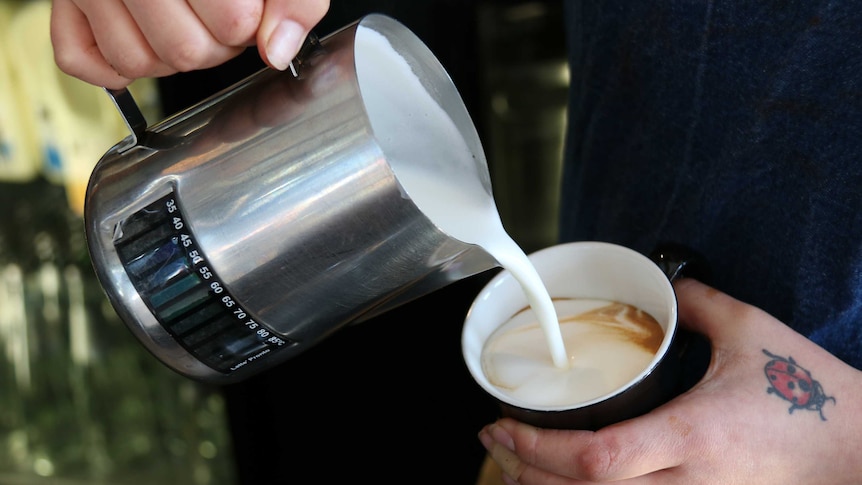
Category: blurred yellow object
[18,151]
[76,122]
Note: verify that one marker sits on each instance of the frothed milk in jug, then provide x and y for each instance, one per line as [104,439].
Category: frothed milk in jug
[437,171]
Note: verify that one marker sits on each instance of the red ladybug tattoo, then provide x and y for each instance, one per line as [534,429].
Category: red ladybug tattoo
[794,384]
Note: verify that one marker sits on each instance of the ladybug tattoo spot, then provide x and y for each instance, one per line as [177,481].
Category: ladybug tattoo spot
[794,384]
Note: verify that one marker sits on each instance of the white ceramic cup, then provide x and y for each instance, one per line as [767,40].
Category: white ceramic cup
[592,270]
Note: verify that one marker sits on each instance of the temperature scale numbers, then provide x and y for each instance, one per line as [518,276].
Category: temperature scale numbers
[172,276]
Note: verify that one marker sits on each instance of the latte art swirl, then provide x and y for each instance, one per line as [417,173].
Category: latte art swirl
[608,344]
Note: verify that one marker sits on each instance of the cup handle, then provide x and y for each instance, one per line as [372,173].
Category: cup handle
[679,261]
[695,351]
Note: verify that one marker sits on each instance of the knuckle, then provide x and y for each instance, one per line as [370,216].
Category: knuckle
[745,312]
[599,460]
[67,60]
[238,27]
[135,64]
[188,55]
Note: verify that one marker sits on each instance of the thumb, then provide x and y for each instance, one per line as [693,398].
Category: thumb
[284,26]
[730,324]
[706,310]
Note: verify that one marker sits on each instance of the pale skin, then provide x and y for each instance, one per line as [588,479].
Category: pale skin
[729,429]
[109,43]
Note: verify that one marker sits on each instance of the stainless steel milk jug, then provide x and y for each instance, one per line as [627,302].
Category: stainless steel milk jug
[244,230]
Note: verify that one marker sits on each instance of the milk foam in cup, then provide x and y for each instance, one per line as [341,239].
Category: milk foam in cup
[608,344]
[618,318]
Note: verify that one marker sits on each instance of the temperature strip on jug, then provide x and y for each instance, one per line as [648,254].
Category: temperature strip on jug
[171,273]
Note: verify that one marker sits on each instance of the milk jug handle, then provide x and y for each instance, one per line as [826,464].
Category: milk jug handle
[137,123]
[132,116]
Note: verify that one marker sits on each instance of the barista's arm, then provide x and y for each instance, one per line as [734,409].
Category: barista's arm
[756,417]
[111,42]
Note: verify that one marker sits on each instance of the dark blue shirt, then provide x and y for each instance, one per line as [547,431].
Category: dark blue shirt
[734,128]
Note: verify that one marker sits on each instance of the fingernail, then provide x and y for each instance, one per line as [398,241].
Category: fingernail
[509,480]
[486,439]
[501,449]
[284,43]
[501,436]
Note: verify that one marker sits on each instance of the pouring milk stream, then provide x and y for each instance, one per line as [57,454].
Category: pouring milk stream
[441,176]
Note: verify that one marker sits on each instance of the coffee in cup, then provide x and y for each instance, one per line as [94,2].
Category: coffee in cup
[608,344]
[618,317]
